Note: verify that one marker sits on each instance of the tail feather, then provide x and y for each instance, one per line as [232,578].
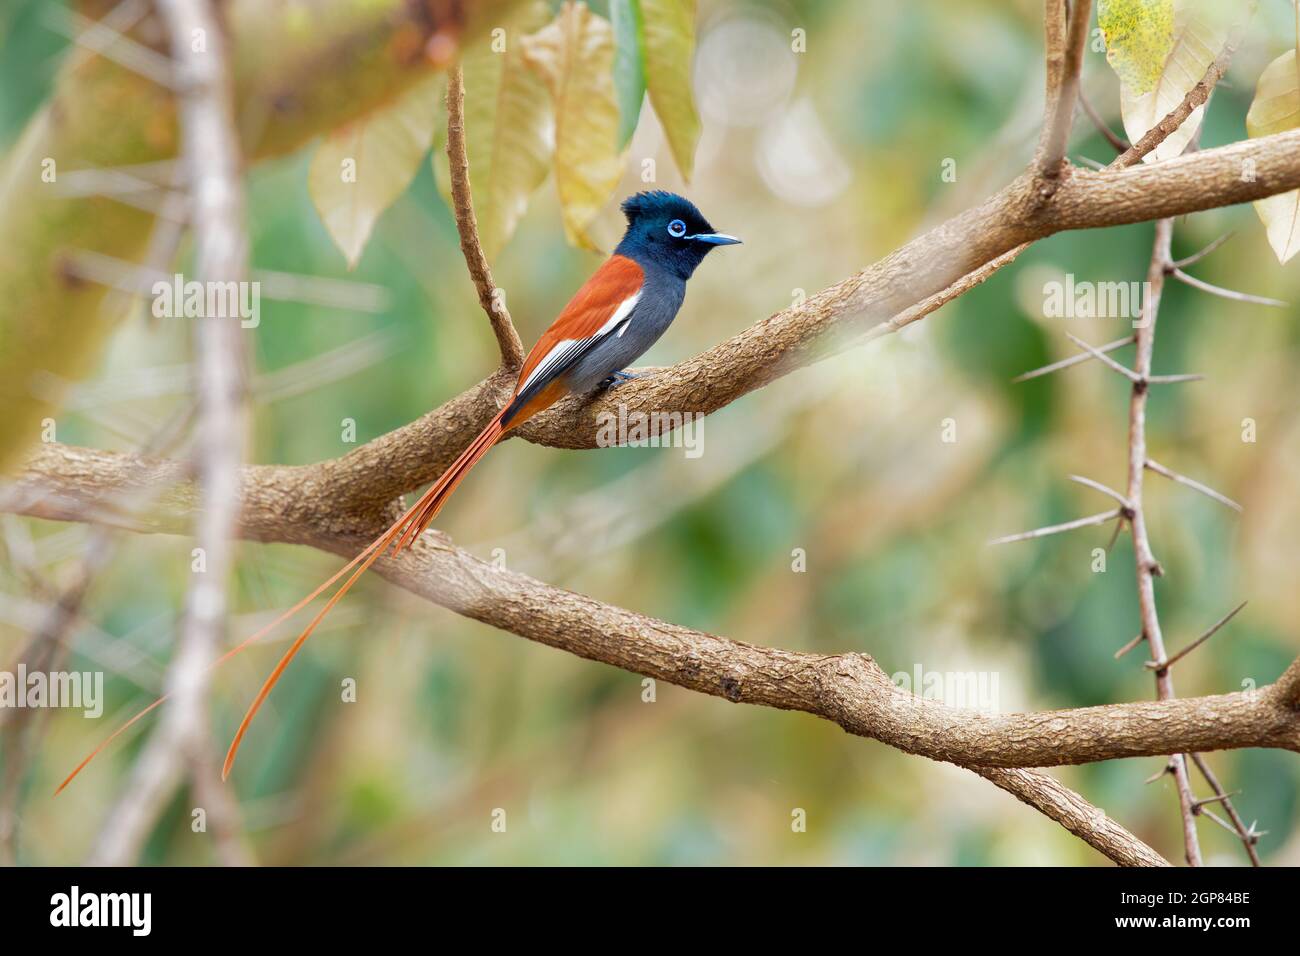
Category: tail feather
[404,531]
[442,489]
[242,645]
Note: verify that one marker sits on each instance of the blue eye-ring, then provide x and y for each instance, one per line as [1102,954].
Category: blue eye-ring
[677,229]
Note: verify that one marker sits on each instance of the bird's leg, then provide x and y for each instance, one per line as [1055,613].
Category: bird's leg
[616,379]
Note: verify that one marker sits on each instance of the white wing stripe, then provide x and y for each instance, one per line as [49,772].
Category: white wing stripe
[566,349]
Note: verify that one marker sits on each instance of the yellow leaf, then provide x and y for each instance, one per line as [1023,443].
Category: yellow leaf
[508,126]
[1139,35]
[1276,108]
[668,28]
[1200,31]
[574,54]
[360,169]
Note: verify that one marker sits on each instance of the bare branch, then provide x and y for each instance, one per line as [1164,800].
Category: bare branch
[1147,568]
[1056,134]
[1118,142]
[1249,838]
[1074,813]
[512,350]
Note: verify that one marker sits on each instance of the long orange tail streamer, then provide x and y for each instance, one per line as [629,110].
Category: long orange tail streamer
[405,531]
[409,527]
[258,635]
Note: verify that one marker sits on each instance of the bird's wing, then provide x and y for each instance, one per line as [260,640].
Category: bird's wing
[599,309]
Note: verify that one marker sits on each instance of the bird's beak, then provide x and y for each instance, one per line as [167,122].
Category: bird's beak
[716,238]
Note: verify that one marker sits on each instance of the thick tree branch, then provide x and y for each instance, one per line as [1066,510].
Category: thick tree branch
[909,283]
[851,689]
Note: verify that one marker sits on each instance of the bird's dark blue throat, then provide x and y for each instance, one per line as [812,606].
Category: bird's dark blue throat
[666,232]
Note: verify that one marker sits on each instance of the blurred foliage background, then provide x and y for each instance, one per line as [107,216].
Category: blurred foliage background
[822,161]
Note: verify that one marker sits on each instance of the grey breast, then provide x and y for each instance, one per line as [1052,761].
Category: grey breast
[661,298]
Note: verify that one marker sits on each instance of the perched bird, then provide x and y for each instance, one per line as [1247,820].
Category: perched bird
[620,312]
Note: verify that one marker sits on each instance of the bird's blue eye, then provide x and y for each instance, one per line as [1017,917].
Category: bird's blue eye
[677,229]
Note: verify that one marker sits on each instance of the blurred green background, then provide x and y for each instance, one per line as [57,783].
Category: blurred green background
[823,162]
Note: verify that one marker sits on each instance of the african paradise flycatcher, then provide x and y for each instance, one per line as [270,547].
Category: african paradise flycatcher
[620,312]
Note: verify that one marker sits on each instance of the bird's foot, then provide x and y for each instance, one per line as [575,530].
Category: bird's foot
[617,379]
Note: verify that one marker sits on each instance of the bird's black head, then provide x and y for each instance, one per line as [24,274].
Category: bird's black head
[667,231]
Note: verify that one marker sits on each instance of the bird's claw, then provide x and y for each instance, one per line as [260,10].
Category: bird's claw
[617,379]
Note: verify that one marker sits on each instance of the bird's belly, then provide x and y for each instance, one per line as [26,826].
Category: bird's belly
[617,352]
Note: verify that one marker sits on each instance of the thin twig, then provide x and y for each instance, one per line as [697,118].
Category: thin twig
[1056,134]
[512,350]
[1147,567]
[1249,837]
[1118,142]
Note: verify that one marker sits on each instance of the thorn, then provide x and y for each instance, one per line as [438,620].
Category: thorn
[1167,769]
[1073,360]
[1198,256]
[1096,519]
[1119,526]
[1200,812]
[1172,475]
[1097,353]
[1173,379]
[1215,799]
[1204,637]
[1098,486]
[1223,293]
[1129,646]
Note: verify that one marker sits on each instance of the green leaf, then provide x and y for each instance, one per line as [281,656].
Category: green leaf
[1139,35]
[574,55]
[668,41]
[360,169]
[629,65]
[508,122]
[1275,109]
